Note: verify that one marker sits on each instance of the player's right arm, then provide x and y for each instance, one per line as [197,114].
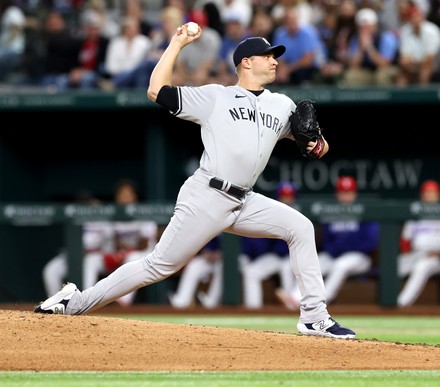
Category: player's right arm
[163,71]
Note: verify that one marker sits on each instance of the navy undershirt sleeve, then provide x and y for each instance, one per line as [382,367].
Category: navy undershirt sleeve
[168,98]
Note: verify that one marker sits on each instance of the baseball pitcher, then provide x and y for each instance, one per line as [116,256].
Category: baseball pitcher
[240,126]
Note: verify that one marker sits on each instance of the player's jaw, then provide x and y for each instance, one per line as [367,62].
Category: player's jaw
[273,64]
[271,70]
[272,73]
[265,77]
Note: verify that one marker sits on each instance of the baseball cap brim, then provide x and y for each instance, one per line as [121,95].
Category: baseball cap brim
[276,50]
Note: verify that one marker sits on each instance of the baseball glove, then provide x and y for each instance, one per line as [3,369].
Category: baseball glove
[305,128]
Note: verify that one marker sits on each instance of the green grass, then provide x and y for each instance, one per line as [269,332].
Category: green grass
[402,329]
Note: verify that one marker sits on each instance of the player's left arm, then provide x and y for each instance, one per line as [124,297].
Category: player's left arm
[316,148]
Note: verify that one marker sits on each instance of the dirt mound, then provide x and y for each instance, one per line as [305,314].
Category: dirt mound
[52,342]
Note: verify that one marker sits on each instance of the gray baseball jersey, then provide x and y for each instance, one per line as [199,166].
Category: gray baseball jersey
[239,131]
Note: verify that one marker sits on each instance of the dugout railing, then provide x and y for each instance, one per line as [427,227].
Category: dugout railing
[389,213]
[39,99]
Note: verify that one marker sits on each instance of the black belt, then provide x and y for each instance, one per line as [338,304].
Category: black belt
[230,189]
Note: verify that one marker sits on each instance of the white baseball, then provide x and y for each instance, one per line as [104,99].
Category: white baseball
[192,28]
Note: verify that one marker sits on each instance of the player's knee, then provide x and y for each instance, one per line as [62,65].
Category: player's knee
[426,266]
[300,231]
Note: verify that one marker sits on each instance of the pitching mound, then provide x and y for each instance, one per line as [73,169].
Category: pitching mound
[92,343]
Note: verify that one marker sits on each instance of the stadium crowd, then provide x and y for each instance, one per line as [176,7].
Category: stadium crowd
[111,44]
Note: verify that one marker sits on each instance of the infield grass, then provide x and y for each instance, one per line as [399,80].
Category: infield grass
[402,329]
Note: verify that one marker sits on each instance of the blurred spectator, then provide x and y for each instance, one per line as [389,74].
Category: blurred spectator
[419,46]
[171,18]
[135,9]
[300,63]
[12,38]
[61,52]
[375,5]
[262,258]
[304,9]
[109,21]
[205,268]
[389,15]
[197,60]
[182,5]
[326,25]
[235,32]
[316,10]
[31,68]
[372,53]
[347,247]
[243,8]
[262,25]
[337,28]
[90,66]
[420,248]
[125,53]
[65,7]
[213,18]
[434,12]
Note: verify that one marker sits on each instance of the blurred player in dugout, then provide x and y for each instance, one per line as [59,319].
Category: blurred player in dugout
[346,247]
[107,245]
[420,248]
[204,270]
[132,239]
[96,238]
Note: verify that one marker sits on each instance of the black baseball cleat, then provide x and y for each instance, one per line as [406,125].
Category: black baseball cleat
[58,302]
[326,328]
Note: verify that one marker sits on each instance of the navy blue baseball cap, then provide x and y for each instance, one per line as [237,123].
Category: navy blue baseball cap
[255,46]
